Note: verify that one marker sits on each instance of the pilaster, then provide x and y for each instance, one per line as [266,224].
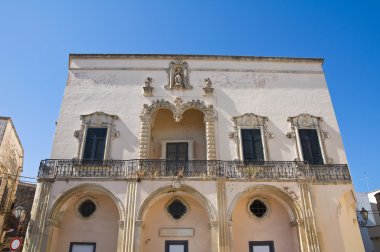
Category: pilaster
[224,244]
[130,219]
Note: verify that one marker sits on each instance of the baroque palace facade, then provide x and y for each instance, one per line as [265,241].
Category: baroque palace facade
[190,153]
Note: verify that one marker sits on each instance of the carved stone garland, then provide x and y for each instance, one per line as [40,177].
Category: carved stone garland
[303,121]
[249,120]
[178,108]
[97,119]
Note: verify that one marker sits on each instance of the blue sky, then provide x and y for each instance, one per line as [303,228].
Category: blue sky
[36,38]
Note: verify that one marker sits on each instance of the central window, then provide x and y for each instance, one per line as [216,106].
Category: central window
[252,145]
[261,246]
[95,144]
[176,246]
[177,151]
[82,247]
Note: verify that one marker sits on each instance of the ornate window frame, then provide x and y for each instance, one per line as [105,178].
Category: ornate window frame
[307,121]
[97,119]
[183,202]
[82,200]
[250,121]
[265,202]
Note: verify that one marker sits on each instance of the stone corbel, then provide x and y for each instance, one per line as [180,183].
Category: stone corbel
[208,89]
[148,89]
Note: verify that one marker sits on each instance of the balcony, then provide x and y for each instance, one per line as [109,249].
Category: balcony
[193,169]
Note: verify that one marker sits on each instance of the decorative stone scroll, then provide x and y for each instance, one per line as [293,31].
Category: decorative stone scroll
[97,119]
[178,76]
[178,108]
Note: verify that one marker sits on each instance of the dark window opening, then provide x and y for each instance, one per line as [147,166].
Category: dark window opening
[261,246]
[176,246]
[87,208]
[258,208]
[177,151]
[252,145]
[311,150]
[177,209]
[95,144]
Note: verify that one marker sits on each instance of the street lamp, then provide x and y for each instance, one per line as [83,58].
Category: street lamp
[364,214]
[18,211]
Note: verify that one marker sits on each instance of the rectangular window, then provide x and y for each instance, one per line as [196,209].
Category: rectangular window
[95,144]
[176,246]
[311,150]
[82,247]
[177,151]
[252,145]
[261,246]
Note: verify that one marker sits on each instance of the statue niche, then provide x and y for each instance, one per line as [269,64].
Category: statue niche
[178,76]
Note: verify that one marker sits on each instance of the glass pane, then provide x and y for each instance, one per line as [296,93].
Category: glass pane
[176,248]
[82,248]
[261,248]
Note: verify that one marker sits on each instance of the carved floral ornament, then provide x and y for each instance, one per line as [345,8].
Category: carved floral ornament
[97,119]
[178,108]
[249,120]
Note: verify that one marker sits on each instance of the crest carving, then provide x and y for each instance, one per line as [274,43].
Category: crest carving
[178,76]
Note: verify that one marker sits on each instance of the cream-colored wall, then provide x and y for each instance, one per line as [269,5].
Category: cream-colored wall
[274,227]
[157,217]
[191,127]
[276,89]
[335,214]
[101,228]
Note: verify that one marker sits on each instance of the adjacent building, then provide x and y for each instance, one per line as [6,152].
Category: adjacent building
[195,153]
[11,162]
[368,210]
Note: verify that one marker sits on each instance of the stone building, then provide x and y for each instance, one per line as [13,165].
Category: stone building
[190,153]
[11,161]
[22,206]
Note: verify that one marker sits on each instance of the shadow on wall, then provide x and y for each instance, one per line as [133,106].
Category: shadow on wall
[280,144]
[127,142]
[337,148]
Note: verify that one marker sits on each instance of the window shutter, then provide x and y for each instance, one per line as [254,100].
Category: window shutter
[95,144]
[311,149]
[252,145]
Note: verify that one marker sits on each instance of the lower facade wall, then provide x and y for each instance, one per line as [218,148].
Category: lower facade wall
[299,216]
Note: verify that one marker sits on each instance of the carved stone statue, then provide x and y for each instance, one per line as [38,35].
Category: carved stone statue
[178,76]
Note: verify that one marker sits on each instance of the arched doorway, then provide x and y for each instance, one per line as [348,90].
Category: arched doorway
[176,220]
[84,218]
[261,220]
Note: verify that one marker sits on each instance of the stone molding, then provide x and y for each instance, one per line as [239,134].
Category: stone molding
[307,121]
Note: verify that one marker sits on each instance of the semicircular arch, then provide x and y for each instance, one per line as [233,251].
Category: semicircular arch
[211,211]
[285,199]
[67,195]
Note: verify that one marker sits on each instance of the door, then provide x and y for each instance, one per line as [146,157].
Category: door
[176,246]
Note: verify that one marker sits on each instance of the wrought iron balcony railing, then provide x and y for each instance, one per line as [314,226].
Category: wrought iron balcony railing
[160,168]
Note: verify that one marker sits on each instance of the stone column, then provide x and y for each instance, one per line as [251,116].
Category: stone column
[224,244]
[310,229]
[210,137]
[144,137]
[130,217]
[39,227]
[214,236]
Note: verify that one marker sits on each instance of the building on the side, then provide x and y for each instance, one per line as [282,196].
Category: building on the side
[11,162]
[368,212]
[22,206]
[195,153]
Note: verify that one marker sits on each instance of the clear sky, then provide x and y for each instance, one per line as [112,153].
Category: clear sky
[36,38]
